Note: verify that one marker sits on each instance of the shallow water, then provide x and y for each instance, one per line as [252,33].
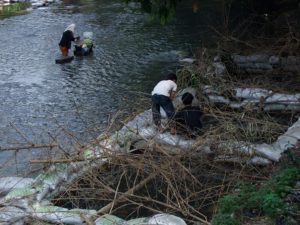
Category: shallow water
[42,102]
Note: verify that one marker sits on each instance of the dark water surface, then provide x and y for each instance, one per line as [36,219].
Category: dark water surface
[42,102]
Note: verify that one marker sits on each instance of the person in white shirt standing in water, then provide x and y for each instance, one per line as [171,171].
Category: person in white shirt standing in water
[162,96]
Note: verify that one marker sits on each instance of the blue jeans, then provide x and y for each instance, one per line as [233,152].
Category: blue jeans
[164,102]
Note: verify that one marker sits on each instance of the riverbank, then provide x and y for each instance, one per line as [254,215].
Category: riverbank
[10,8]
[18,8]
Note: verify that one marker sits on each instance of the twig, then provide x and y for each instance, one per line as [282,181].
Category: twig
[107,208]
[56,160]
[232,38]
[116,191]
[29,147]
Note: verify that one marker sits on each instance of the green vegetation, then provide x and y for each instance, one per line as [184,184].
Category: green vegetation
[13,9]
[267,200]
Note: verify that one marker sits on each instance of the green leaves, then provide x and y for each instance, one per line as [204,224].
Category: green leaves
[14,9]
[268,199]
[225,219]
[162,9]
[271,204]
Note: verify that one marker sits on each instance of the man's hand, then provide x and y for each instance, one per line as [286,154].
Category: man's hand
[172,94]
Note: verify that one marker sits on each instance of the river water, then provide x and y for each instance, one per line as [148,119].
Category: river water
[42,102]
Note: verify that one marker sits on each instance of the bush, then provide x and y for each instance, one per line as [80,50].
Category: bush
[268,199]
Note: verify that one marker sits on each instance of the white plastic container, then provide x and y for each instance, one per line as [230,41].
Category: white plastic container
[88,35]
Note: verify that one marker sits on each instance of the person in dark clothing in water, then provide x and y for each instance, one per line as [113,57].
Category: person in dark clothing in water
[66,39]
[188,121]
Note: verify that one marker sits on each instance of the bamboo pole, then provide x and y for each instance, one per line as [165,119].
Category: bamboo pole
[28,147]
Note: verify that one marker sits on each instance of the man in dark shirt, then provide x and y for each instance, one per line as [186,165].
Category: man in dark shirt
[188,120]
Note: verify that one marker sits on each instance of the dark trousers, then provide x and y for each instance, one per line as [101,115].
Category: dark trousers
[164,102]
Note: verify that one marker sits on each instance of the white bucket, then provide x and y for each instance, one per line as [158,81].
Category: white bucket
[88,35]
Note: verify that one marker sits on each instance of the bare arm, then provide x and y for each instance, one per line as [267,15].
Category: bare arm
[172,94]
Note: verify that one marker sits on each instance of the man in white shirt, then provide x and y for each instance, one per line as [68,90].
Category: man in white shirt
[162,96]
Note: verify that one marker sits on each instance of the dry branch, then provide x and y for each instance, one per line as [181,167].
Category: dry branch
[29,147]
[108,207]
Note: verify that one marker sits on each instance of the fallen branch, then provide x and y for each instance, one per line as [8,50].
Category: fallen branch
[56,160]
[29,147]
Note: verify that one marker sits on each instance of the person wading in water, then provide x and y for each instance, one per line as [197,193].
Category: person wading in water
[66,39]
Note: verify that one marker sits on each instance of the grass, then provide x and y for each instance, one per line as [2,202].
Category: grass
[14,9]
[268,199]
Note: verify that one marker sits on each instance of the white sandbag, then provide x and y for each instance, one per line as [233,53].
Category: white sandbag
[108,219]
[148,132]
[260,161]
[138,221]
[166,219]
[251,93]
[10,214]
[231,147]
[43,193]
[285,142]
[297,123]
[141,120]
[281,107]
[218,99]
[56,214]
[293,132]
[207,89]
[268,151]
[262,58]
[283,98]
[236,105]
[174,140]
[20,193]
[9,183]
[20,203]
